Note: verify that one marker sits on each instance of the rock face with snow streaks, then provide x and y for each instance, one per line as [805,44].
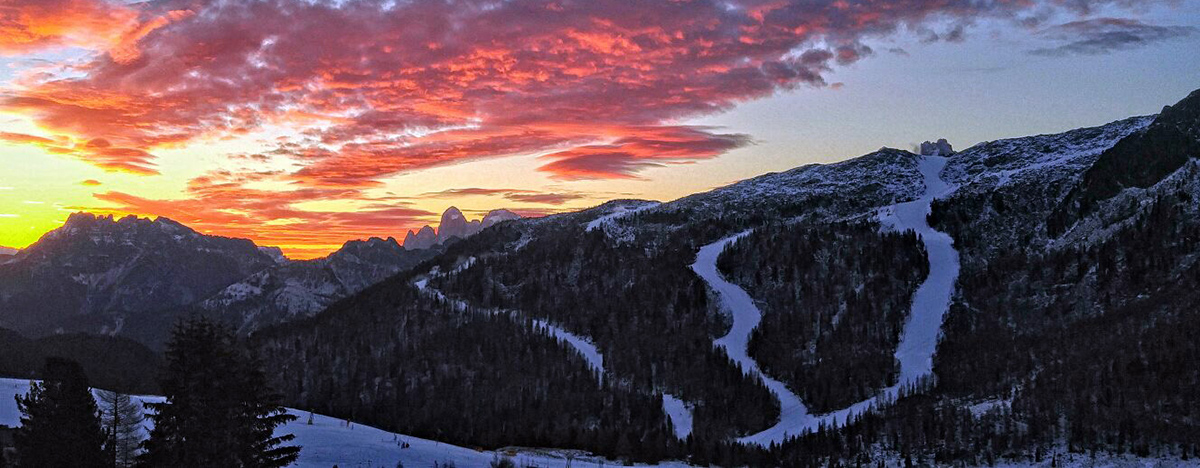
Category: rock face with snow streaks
[98,274]
[938,148]
[134,276]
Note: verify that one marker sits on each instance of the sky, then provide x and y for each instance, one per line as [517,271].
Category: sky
[306,123]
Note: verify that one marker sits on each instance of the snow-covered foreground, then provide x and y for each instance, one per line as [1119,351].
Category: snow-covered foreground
[330,441]
[917,343]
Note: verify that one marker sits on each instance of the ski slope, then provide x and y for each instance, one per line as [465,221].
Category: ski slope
[581,345]
[917,342]
[680,414]
[330,441]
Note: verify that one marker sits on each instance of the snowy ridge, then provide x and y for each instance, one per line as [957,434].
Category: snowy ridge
[618,212]
[331,441]
[994,164]
[917,343]
[816,191]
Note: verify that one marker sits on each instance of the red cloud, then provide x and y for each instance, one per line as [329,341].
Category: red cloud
[98,151]
[224,209]
[647,147]
[523,196]
[110,26]
[374,88]
[29,25]
[385,87]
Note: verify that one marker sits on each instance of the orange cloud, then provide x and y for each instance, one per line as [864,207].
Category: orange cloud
[375,88]
[28,26]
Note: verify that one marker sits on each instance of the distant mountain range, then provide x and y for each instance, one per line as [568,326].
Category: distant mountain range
[454,225]
[134,276]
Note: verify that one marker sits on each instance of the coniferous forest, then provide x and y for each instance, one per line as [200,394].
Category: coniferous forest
[834,300]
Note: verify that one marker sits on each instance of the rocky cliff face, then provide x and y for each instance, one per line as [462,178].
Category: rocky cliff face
[938,148]
[94,273]
[297,289]
[454,225]
[134,277]
[424,238]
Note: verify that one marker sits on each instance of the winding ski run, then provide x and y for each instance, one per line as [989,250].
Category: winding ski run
[678,412]
[917,342]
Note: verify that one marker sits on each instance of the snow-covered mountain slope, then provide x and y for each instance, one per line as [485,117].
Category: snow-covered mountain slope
[1008,190]
[134,276]
[814,192]
[5,251]
[297,289]
[618,210]
[330,441]
[1036,159]
[94,273]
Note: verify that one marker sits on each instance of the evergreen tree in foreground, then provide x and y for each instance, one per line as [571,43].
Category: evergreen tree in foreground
[219,409]
[59,426]
[121,417]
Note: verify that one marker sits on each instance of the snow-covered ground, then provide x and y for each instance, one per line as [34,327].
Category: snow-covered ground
[330,441]
[793,416]
[619,212]
[932,298]
[917,343]
[680,414]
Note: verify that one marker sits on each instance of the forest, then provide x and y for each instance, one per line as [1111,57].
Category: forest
[645,310]
[834,300]
[403,361]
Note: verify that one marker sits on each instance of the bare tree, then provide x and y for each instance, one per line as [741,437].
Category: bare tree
[121,419]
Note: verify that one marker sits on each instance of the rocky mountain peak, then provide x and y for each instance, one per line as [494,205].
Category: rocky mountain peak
[496,216]
[938,148]
[422,239]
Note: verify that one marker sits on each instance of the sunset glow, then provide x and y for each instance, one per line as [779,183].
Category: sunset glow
[303,124]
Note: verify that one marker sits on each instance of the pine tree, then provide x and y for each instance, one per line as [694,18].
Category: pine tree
[219,410]
[121,417]
[59,426]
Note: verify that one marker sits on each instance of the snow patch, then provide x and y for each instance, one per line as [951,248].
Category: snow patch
[680,414]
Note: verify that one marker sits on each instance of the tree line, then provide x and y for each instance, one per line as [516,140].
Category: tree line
[218,411]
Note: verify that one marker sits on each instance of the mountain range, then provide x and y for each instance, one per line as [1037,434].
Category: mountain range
[454,225]
[135,277]
[1021,301]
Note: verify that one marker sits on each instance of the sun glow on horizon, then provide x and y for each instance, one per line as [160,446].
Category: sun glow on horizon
[236,122]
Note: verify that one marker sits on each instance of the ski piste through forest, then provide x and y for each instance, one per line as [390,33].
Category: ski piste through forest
[917,344]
